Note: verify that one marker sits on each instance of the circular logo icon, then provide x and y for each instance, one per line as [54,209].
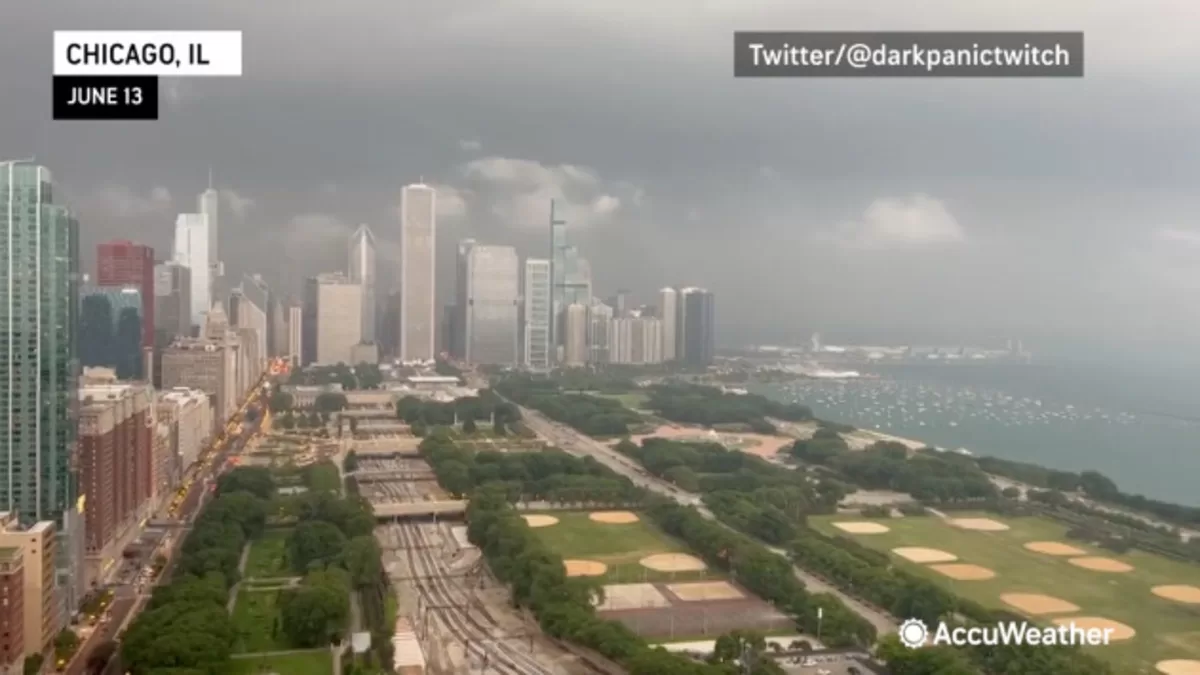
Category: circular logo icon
[913,633]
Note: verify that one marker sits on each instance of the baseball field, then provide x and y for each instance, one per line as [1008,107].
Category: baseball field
[1028,566]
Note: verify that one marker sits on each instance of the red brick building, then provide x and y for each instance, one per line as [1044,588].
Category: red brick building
[125,263]
[116,459]
[12,609]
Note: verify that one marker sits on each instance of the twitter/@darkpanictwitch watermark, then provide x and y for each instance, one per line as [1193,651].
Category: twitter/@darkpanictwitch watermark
[839,54]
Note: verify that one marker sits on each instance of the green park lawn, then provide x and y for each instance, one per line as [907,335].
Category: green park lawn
[633,400]
[268,556]
[1165,629]
[254,615]
[315,662]
[619,546]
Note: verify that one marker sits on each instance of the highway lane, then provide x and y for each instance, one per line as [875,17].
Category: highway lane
[576,443]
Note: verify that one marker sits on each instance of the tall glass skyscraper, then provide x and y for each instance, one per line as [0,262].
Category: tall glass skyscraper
[362,272]
[493,291]
[39,277]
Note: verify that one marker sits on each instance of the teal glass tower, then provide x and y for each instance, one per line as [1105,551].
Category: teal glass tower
[39,272]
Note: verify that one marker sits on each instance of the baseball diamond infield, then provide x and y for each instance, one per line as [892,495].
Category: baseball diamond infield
[585,568]
[920,554]
[1178,667]
[613,517]
[537,520]
[700,591]
[1178,593]
[1036,604]
[862,528]
[979,524]
[673,562]
[963,571]
[1098,564]
[1119,630]
[1054,548]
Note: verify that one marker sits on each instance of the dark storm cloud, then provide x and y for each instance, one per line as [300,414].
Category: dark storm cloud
[805,205]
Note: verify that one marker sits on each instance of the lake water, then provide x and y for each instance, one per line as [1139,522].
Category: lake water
[1141,430]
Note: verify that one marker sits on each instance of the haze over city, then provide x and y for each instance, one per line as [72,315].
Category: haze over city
[1062,211]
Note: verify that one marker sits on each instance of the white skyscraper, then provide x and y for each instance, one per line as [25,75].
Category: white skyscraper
[335,306]
[493,291]
[537,313]
[575,334]
[418,247]
[191,251]
[362,272]
[209,203]
[668,309]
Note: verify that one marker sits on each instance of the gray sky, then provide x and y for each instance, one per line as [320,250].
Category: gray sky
[1063,211]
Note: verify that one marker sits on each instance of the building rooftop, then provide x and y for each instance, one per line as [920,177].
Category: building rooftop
[10,554]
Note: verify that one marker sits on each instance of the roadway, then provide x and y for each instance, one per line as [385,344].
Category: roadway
[576,443]
[131,592]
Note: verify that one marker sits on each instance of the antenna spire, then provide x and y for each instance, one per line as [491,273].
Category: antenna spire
[210,176]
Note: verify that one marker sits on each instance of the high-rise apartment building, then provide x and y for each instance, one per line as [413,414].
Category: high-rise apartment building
[668,312]
[12,610]
[332,319]
[191,251]
[124,264]
[190,414]
[207,364]
[389,330]
[116,462]
[362,272]
[173,298]
[277,332]
[248,304]
[537,353]
[695,335]
[39,361]
[575,334]
[637,340]
[42,597]
[457,327]
[418,251]
[208,203]
[295,331]
[600,318]
[493,294]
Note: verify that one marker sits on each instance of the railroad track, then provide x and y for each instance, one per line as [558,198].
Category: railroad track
[476,630]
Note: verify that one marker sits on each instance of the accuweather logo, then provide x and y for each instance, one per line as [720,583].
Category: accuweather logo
[914,633]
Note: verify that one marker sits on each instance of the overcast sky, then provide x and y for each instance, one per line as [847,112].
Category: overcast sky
[1063,211]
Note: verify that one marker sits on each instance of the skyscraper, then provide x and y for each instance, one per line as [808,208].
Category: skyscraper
[575,329]
[209,204]
[295,343]
[362,272]
[173,298]
[332,323]
[418,248]
[110,329]
[122,264]
[248,309]
[537,313]
[668,309]
[458,315]
[191,251]
[38,369]
[695,337]
[600,318]
[493,290]
[570,278]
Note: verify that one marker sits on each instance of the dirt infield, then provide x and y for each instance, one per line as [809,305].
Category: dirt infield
[585,568]
[613,517]
[673,562]
[1101,564]
[540,521]
[1178,667]
[1054,548]
[918,554]
[1178,593]
[979,524]
[862,528]
[1035,604]
[1119,630]
[963,572]
[701,591]
[619,597]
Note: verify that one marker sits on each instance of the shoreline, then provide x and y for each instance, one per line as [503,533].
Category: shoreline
[859,439]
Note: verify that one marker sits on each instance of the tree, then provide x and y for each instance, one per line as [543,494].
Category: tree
[315,613]
[256,480]
[314,542]
[280,401]
[1011,492]
[362,559]
[33,664]
[468,426]
[65,643]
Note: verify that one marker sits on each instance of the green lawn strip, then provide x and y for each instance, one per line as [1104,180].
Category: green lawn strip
[254,615]
[619,546]
[268,556]
[315,662]
[1165,629]
[633,400]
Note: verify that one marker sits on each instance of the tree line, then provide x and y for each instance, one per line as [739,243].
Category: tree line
[709,406]
[361,376]
[424,414]
[592,415]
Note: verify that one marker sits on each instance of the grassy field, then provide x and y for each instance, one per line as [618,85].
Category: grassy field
[1165,629]
[268,557]
[254,616]
[633,400]
[620,547]
[316,662]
